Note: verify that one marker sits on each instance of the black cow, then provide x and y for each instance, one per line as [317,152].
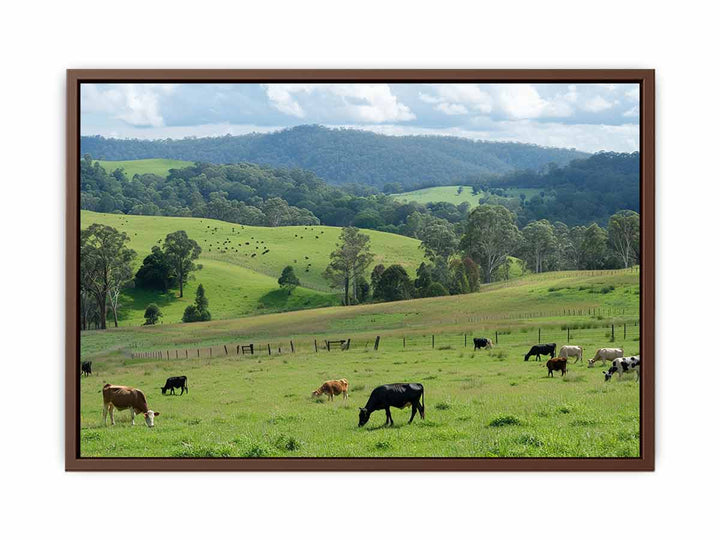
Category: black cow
[400,395]
[537,350]
[86,368]
[175,382]
[481,343]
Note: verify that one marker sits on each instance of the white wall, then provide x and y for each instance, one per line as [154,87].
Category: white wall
[40,42]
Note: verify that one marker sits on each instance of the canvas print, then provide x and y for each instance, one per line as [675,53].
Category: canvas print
[347,270]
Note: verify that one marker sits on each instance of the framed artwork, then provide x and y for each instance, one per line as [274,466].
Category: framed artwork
[360,270]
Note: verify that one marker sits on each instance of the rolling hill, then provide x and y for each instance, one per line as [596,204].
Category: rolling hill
[241,264]
[345,155]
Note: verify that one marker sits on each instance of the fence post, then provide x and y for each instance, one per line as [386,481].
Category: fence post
[269,353]
[225,349]
[347,347]
[292,346]
[496,337]
[377,342]
[624,330]
[403,342]
[433,341]
[186,353]
[568,339]
[612,338]
[210,352]
[198,353]
[316,345]
[466,340]
[238,350]
[538,335]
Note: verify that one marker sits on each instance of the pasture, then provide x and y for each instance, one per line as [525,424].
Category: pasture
[160,167]
[241,264]
[450,194]
[481,403]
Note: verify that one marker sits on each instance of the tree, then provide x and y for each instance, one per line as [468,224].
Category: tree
[348,262]
[199,310]
[105,266]
[490,236]
[624,236]
[538,243]
[375,276]
[593,250]
[152,314]
[363,289]
[288,280]
[473,273]
[458,279]
[438,239]
[181,251]
[436,289]
[156,271]
[394,284]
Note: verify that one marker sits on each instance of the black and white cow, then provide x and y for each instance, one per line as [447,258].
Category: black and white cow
[86,368]
[623,365]
[482,343]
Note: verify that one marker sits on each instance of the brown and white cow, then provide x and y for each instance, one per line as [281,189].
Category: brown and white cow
[126,397]
[566,351]
[605,354]
[333,388]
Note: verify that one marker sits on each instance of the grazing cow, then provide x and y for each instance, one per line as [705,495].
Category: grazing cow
[537,350]
[400,395]
[482,343]
[623,365]
[557,364]
[566,351]
[605,354]
[86,368]
[333,388]
[175,382]
[126,397]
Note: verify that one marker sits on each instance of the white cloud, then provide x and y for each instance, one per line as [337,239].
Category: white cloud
[355,102]
[523,101]
[136,104]
[597,104]
[633,111]
[633,93]
[455,99]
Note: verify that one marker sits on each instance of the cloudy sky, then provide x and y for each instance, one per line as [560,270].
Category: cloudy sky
[589,117]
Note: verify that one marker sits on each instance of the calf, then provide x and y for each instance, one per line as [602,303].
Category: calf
[333,388]
[482,343]
[86,368]
[537,350]
[126,397]
[623,365]
[400,395]
[175,382]
[605,354]
[557,364]
[566,351]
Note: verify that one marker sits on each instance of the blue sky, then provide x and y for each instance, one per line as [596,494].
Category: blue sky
[589,117]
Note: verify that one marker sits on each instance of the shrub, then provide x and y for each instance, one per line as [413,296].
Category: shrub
[506,420]
[436,289]
[152,314]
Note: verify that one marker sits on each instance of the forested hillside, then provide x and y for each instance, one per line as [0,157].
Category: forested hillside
[342,156]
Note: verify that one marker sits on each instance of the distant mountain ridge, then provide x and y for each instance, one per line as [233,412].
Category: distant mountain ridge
[342,156]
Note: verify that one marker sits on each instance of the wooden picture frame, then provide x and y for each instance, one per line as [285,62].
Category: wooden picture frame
[644,77]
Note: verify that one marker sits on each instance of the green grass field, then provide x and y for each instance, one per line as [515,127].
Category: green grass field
[161,167]
[439,194]
[486,403]
[450,194]
[241,264]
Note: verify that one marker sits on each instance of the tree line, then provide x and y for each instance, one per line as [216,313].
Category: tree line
[459,259]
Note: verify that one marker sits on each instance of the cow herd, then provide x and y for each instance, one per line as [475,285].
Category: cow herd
[398,395]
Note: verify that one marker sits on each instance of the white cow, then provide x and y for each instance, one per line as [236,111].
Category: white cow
[623,365]
[605,354]
[566,351]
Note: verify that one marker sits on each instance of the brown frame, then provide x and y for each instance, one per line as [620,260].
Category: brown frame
[646,461]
